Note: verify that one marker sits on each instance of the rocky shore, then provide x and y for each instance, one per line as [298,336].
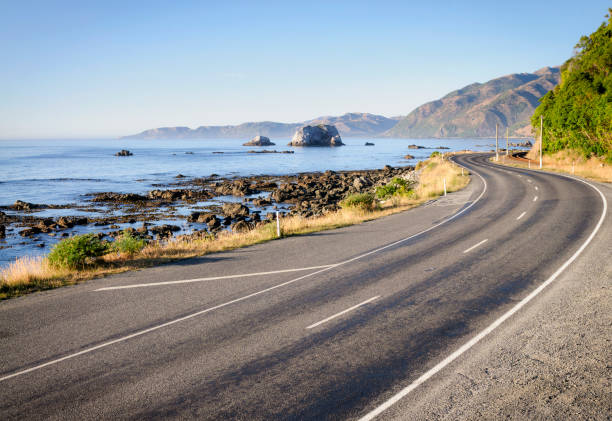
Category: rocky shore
[191,206]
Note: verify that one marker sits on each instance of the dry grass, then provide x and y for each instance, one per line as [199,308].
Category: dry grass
[570,162]
[30,274]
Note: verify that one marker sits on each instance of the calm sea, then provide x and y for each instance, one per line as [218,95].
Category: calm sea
[64,171]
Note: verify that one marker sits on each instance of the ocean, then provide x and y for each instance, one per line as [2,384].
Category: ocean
[64,171]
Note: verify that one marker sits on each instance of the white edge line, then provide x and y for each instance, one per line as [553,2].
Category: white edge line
[476,245]
[342,312]
[535,198]
[213,278]
[521,215]
[428,374]
[198,313]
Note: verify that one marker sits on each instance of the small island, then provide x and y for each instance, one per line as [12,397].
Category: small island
[259,141]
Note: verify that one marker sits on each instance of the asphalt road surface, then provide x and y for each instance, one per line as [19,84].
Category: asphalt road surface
[324,326]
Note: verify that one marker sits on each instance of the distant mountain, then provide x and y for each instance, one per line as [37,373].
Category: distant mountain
[474,110]
[350,124]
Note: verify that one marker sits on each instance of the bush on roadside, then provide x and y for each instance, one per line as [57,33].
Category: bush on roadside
[76,252]
[363,201]
[396,187]
[434,154]
[127,243]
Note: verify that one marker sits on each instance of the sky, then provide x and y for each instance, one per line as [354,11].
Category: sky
[102,69]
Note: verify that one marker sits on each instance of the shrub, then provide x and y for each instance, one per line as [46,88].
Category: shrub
[396,187]
[127,243]
[434,154]
[75,252]
[363,201]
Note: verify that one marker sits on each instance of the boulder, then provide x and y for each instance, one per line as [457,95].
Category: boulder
[409,157]
[233,210]
[259,141]
[2,231]
[21,205]
[124,152]
[369,144]
[321,135]
[416,147]
[242,226]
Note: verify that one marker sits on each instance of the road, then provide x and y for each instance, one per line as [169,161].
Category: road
[324,326]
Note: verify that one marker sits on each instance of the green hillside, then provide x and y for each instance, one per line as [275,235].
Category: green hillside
[578,112]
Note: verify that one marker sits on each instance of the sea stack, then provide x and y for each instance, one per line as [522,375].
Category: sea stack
[320,135]
[259,141]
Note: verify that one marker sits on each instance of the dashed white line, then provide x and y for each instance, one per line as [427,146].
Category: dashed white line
[529,180]
[521,215]
[536,187]
[476,245]
[452,357]
[535,198]
[212,278]
[342,312]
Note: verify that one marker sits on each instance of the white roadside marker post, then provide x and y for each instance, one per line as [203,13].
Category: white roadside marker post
[445,186]
[277,225]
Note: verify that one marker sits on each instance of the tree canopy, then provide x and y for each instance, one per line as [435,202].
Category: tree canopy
[578,112]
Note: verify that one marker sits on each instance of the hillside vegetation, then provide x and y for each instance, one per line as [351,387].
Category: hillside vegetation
[577,113]
[474,110]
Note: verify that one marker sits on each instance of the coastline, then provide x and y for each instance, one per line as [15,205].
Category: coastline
[314,214]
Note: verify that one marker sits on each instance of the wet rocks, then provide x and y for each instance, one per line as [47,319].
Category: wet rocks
[320,135]
[408,157]
[71,221]
[124,152]
[29,231]
[242,226]
[24,206]
[164,231]
[269,151]
[259,141]
[234,210]
[2,231]
[118,197]
[416,147]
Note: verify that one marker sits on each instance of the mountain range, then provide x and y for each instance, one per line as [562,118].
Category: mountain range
[472,111]
[350,125]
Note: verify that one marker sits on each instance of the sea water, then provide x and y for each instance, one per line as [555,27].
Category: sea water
[67,171]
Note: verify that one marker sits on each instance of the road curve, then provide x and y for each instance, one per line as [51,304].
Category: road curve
[325,326]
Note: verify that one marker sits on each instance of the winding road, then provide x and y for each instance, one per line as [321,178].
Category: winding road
[341,324]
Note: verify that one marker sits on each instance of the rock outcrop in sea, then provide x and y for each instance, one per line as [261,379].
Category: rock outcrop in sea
[259,141]
[320,135]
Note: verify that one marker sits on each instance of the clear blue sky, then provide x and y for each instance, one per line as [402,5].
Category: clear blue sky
[110,68]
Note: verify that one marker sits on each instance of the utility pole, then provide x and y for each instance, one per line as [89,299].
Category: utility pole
[507,135]
[496,144]
[541,138]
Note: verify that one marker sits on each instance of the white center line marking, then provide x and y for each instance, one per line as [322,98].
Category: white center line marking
[476,245]
[529,180]
[535,198]
[207,310]
[469,344]
[342,312]
[212,278]
[536,187]
[521,215]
